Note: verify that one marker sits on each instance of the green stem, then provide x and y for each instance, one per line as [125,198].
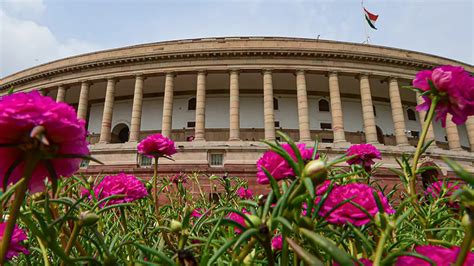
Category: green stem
[44,252]
[155,184]
[268,251]
[246,250]
[380,246]
[421,142]
[31,160]
[467,242]
[73,237]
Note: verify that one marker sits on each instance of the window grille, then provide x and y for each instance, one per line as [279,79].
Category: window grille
[84,164]
[326,126]
[191,124]
[145,161]
[216,159]
[277,123]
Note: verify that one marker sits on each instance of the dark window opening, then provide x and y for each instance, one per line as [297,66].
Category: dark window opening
[192,104]
[411,115]
[191,124]
[123,135]
[277,123]
[326,125]
[415,134]
[120,134]
[275,104]
[323,105]
[375,112]
[323,140]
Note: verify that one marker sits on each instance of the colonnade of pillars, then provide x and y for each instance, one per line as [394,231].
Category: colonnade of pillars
[234,119]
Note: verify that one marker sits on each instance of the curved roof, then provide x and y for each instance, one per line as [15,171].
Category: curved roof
[228,47]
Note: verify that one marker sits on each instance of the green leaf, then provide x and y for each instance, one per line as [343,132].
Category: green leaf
[390,259]
[273,183]
[283,221]
[157,253]
[338,255]
[113,206]
[309,187]
[244,236]
[221,250]
[460,171]
[308,258]
[368,245]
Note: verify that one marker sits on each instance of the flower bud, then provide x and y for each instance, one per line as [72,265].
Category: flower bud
[88,218]
[254,219]
[90,180]
[316,170]
[175,226]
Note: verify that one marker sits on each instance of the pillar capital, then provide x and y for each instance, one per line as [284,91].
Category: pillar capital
[202,72]
[234,71]
[170,74]
[140,76]
[300,72]
[362,75]
[86,82]
[112,78]
[333,73]
[267,71]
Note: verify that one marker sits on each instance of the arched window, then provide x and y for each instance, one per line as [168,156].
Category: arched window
[192,104]
[275,103]
[323,105]
[411,115]
[120,133]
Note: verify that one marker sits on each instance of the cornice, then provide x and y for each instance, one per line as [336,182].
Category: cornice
[273,53]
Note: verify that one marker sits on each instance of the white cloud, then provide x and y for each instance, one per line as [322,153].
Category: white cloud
[25,43]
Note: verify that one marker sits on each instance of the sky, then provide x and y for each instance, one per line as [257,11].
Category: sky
[34,32]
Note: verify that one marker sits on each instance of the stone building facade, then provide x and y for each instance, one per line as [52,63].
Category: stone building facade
[218,97]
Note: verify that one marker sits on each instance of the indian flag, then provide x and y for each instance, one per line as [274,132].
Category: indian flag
[371,18]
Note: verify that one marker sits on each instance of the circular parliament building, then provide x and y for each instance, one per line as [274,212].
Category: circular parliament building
[218,97]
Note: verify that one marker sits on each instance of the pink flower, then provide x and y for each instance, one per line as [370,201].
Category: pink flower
[122,184]
[277,166]
[441,256]
[238,219]
[360,194]
[244,193]
[455,86]
[15,246]
[198,212]
[445,189]
[277,242]
[364,155]
[156,145]
[63,134]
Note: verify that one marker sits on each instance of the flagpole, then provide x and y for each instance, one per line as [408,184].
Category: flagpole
[367,38]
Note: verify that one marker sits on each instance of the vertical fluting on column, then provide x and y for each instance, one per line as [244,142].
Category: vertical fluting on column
[105,132]
[61,96]
[470,131]
[234,106]
[83,100]
[336,109]
[303,116]
[422,114]
[453,135]
[137,109]
[268,115]
[367,110]
[397,112]
[168,105]
[200,132]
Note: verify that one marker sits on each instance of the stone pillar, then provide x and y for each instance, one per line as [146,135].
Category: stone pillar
[303,116]
[61,96]
[167,106]
[398,115]
[83,100]
[200,130]
[336,109]
[105,131]
[367,110]
[422,114]
[234,108]
[453,135]
[268,114]
[137,109]
[470,131]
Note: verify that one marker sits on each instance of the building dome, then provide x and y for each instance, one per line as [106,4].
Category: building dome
[217,97]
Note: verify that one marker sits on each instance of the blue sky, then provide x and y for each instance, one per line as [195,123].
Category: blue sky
[37,31]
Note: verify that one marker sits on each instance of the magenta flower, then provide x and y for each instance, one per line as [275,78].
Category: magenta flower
[128,186]
[441,256]
[277,166]
[244,193]
[156,145]
[277,242]
[238,219]
[445,189]
[56,131]
[360,194]
[15,246]
[364,261]
[454,86]
[364,155]
[198,212]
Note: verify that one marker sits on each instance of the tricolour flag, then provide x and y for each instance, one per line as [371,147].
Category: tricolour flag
[371,18]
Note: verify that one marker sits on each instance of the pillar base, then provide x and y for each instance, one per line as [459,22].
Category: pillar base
[341,144]
[235,139]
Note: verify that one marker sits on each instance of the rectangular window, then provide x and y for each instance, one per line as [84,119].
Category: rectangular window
[326,125]
[145,161]
[277,123]
[216,159]
[323,140]
[415,134]
[191,124]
